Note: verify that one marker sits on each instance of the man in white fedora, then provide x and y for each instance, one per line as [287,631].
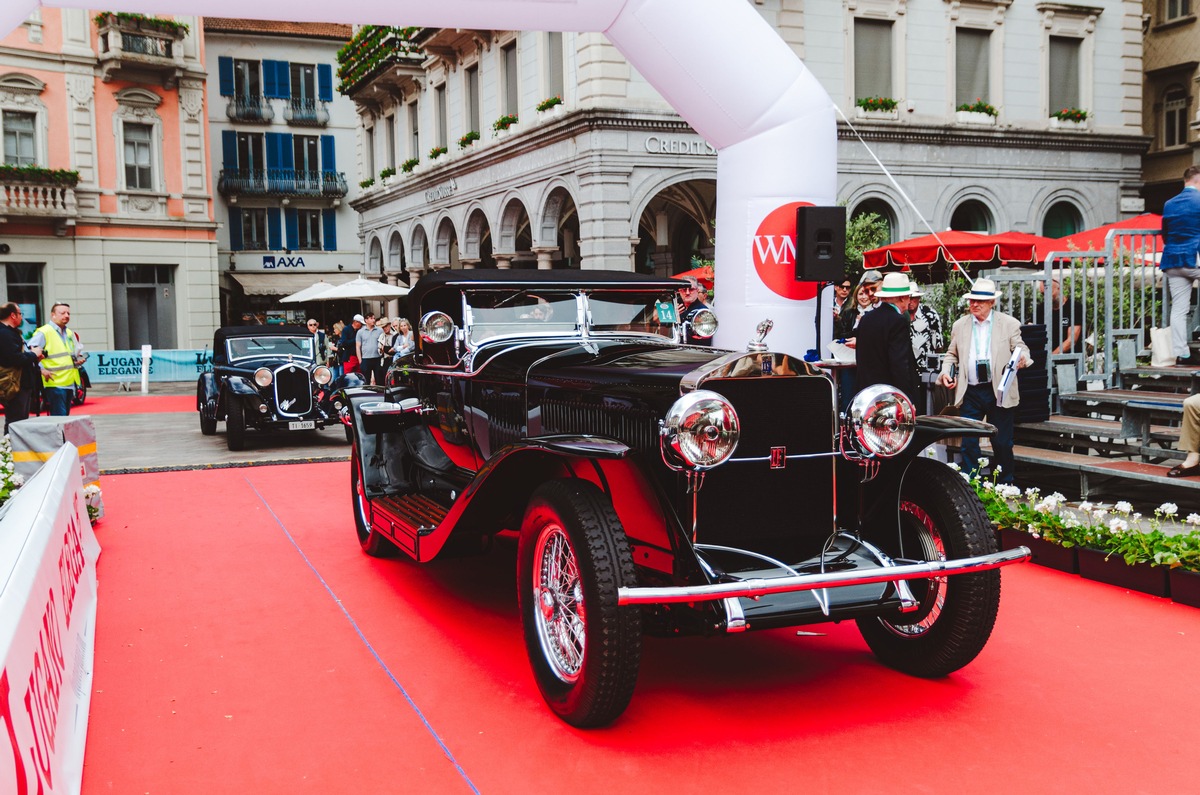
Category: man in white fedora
[884,344]
[981,345]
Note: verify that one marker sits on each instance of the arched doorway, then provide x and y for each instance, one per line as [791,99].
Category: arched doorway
[560,229]
[516,238]
[445,246]
[973,216]
[677,228]
[477,242]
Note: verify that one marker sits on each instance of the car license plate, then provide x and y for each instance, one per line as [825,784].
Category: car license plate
[303,425]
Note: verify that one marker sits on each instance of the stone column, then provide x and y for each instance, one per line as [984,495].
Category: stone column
[545,255]
[503,261]
[469,263]
[393,306]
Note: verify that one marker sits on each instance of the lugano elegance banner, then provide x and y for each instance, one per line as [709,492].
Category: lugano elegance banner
[47,630]
[771,122]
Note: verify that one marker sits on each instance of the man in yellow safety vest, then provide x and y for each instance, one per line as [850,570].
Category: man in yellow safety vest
[59,351]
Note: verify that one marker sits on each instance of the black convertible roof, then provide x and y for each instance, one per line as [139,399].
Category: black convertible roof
[567,279]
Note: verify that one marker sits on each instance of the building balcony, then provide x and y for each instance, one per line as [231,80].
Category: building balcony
[306,113]
[145,50]
[282,183]
[379,61]
[255,110]
[36,200]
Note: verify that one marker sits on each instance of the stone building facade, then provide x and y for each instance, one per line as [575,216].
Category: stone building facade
[612,178]
[1170,102]
[129,239]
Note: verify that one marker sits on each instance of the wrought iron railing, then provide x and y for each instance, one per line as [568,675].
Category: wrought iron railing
[281,182]
[250,109]
[306,113]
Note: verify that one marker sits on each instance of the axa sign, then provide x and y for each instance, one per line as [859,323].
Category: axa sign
[773,251]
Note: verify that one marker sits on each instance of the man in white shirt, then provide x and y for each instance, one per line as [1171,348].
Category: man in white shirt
[981,345]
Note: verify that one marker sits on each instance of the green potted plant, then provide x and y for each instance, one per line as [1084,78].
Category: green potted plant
[437,152]
[366,183]
[386,174]
[37,175]
[408,165]
[977,112]
[501,125]
[550,104]
[876,108]
[467,140]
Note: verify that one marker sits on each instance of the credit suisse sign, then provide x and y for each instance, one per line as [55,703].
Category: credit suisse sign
[679,145]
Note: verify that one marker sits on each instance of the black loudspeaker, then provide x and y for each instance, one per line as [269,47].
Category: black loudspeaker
[820,244]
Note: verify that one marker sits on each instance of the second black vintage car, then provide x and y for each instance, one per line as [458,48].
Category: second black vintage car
[267,378]
[657,487]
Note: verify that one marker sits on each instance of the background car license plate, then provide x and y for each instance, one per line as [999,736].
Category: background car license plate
[303,425]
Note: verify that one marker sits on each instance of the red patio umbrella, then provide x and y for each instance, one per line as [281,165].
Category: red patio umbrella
[1041,245]
[1093,239]
[961,246]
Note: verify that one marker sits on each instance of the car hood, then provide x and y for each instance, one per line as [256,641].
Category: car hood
[572,364]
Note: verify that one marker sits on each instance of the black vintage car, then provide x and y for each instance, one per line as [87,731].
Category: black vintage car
[267,378]
[657,487]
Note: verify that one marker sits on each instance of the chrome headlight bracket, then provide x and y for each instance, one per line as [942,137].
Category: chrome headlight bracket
[700,431]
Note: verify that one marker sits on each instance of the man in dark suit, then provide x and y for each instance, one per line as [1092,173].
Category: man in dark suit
[884,351]
[14,353]
[319,351]
[1181,245]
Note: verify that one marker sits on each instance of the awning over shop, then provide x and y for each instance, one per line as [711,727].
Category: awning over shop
[285,283]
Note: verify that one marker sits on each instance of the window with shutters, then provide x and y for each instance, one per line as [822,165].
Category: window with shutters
[1069,50]
[972,66]
[509,96]
[1063,80]
[472,103]
[308,229]
[443,121]
[873,59]
[554,65]
[254,229]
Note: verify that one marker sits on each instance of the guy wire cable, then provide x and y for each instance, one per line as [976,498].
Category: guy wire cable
[957,265]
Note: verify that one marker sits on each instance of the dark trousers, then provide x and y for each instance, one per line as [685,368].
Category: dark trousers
[58,400]
[16,408]
[374,367]
[980,403]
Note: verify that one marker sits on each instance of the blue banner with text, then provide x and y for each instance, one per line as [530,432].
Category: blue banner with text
[107,367]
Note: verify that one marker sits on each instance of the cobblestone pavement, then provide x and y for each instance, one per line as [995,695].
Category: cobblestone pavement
[153,442]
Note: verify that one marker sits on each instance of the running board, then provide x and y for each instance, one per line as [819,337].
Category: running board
[406,519]
[809,582]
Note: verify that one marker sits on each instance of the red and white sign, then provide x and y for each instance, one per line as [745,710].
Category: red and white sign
[47,630]
[773,252]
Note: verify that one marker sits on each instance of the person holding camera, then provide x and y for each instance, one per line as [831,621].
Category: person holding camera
[981,345]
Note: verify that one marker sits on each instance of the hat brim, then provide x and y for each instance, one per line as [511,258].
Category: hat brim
[973,296]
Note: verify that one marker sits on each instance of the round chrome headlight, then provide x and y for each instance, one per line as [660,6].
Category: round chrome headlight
[436,327]
[322,375]
[263,377]
[883,420]
[704,324]
[700,431]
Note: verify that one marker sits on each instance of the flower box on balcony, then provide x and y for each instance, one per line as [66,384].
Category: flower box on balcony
[1067,124]
[974,117]
[876,115]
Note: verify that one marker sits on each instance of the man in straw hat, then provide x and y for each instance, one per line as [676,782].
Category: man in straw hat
[884,344]
[981,345]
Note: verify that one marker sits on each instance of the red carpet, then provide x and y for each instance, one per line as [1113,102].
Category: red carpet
[244,644]
[135,404]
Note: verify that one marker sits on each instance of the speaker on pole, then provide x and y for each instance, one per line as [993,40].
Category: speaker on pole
[820,244]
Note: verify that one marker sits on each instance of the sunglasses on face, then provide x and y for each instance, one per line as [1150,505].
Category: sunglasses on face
[843,287]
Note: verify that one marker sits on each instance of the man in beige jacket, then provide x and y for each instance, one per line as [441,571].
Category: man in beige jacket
[981,345]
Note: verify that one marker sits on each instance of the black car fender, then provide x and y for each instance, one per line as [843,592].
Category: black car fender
[241,386]
[880,502]
[207,389]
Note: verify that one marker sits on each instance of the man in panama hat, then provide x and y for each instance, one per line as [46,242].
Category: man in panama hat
[884,343]
[981,345]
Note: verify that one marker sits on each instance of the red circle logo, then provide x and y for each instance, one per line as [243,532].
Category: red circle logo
[774,253]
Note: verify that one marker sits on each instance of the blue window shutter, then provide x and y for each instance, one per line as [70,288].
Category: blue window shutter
[328,161]
[225,75]
[324,82]
[229,149]
[235,229]
[329,230]
[269,88]
[287,156]
[291,228]
[273,151]
[283,81]
[274,230]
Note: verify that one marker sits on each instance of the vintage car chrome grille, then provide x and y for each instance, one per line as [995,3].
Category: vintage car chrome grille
[293,391]
[506,417]
[637,428]
[783,509]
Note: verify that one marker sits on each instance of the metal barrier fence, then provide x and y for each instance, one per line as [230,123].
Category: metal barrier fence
[1113,294]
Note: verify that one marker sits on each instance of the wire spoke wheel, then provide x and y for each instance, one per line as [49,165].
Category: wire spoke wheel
[572,558]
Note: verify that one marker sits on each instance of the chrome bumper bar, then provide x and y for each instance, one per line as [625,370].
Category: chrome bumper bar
[809,582]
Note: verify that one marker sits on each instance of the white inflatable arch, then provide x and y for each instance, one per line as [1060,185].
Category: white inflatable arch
[772,124]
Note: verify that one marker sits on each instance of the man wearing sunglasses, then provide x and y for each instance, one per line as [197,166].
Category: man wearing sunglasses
[689,295]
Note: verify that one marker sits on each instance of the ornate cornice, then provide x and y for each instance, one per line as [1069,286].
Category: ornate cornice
[1011,138]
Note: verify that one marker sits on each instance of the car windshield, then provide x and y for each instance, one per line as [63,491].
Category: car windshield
[240,348]
[496,313]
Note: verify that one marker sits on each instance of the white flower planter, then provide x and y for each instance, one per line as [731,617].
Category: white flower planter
[973,117]
[1067,124]
[551,112]
[876,115]
[505,132]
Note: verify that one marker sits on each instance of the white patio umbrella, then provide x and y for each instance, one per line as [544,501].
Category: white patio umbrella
[360,289]
[307,294]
